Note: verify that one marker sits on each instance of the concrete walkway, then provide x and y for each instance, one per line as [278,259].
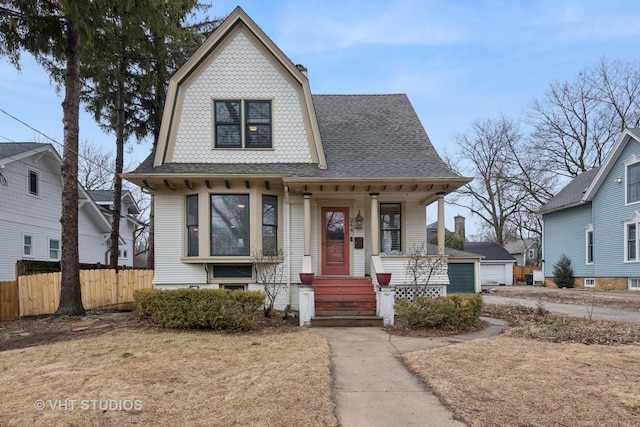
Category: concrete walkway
[373,388]
[617,314]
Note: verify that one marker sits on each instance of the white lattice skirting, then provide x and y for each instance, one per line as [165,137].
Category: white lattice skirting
[410,292]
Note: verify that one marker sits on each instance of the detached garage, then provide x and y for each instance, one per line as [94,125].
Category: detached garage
[464,270]
[496,266]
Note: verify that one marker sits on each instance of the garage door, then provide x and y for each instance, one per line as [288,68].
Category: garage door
[461,278]
[492,274]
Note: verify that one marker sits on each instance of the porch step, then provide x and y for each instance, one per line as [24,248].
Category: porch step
[325,312]
[346,321]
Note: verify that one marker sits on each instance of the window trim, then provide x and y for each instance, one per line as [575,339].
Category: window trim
[274,226]
[589,279]
[31,175]
[589,244]
[243,124]
[635,221]
[49,240]
[399,228]
[632,161]
[189,227]
[30,246]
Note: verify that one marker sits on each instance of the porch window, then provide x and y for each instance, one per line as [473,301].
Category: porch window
[192,225]
[269,225]
[233,129]
[633,182]
[390,231]
[230,225]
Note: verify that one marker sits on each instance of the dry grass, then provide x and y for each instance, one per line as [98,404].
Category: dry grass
[544,371]
[177,378]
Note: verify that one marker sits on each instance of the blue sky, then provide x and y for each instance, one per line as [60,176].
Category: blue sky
[458,61]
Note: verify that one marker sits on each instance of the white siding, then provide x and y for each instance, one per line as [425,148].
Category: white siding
[168,240]
[241,71]
[22,213]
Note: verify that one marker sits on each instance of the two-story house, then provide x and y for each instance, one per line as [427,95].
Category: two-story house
[248,160]
[31,205]
[595,221]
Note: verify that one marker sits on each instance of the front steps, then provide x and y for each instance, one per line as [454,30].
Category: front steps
[345,302]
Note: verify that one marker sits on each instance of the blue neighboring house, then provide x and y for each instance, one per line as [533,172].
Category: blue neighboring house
[595,221]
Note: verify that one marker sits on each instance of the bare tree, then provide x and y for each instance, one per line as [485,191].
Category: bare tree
[576,122]
[95,167]
[494,194]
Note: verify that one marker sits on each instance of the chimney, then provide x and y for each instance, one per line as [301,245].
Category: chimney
[459,227]
[302,69]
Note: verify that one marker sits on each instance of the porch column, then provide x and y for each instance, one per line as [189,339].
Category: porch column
[440,222]
[306,259]
[375,225]
[307,224]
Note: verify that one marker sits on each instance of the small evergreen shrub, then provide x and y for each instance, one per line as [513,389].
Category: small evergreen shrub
[563,273]
[219,309]
[453,312]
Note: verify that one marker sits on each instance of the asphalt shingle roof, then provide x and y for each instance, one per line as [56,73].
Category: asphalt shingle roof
[14,148]
[571,195]
[490,250]
[364,136]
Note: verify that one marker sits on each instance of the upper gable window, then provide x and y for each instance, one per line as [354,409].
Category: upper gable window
[33,183]
[242,124]
[633,182]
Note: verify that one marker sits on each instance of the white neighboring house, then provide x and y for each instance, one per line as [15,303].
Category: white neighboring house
[129,224]
[31,205]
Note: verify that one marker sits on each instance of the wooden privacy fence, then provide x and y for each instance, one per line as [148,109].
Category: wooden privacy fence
[8,300]
[40,293]
[520,270]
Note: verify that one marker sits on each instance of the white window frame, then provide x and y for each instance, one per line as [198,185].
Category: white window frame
[30,173]
[30,246]
[633,283]
[123,253]
[588,231]
[635,220]
[589,282]
[49,249]
[632,161]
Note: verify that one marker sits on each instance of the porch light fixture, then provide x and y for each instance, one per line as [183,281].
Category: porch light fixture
[359,221]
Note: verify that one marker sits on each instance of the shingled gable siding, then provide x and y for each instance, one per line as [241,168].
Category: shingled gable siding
[610,212]
[564,233]
[241,71]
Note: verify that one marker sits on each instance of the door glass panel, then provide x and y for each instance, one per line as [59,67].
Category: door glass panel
[334,223]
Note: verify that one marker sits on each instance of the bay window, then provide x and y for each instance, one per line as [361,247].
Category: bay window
[230,228]
[192,225]
[269,225]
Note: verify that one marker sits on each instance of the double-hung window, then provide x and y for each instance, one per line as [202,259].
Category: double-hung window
[27,246]
[54,250]
[269,225]
[192,225]
[390,228]
[633,182]
[230,225]
[631,242]
[589,244]
[243,124]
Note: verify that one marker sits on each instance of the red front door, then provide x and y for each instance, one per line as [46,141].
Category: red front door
[335,241]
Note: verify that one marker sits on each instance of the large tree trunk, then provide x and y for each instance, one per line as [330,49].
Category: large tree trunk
[117,184]
[70,295]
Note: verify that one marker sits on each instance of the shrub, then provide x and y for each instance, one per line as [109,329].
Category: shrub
[199,309]
[563,273]
[453,312]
